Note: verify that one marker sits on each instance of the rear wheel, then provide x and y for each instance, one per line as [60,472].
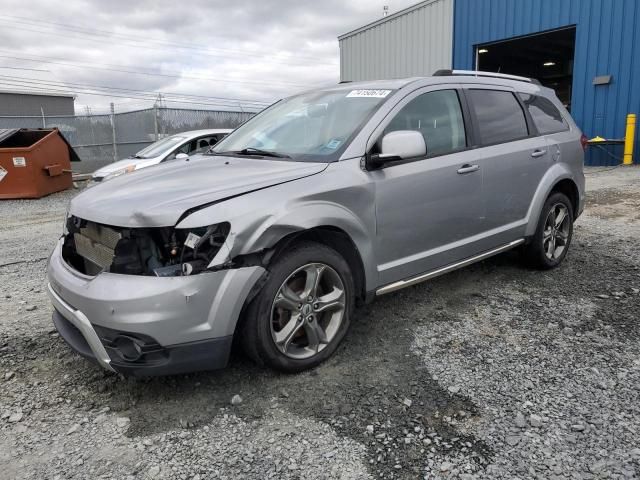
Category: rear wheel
[302,313]
[552,238]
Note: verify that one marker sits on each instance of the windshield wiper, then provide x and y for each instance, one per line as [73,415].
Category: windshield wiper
[258,151]
[248,151]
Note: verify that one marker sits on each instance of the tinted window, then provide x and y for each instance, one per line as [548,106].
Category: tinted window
[500,117]
[438,117]
[544,113]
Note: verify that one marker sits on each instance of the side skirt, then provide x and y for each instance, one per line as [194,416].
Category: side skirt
[392,287]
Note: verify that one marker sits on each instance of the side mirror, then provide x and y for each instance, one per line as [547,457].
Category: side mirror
[398,145]
[181,156]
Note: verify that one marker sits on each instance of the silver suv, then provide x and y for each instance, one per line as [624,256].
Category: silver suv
[323,200]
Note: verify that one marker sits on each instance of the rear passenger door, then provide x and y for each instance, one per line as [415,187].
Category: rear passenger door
[515,159]
[548,121]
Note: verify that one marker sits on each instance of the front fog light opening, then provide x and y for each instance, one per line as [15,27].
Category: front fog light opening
[128,348]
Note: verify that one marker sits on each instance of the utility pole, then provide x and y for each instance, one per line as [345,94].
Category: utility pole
[113,132]
[44,123]
[156,113]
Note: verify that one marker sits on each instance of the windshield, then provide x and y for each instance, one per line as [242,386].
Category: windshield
[313,127]
[160,147]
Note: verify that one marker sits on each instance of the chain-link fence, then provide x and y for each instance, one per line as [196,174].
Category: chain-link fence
[101,139]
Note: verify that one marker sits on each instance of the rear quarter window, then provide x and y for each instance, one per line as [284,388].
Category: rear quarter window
[499,116]
[545,115]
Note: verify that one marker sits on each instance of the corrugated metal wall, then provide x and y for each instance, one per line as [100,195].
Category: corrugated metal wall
[607,42]
[12,103]
[413,42]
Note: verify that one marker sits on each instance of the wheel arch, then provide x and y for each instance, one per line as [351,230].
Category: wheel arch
[330,235]
[337,239]
[557,179]
[568,187]
[324,222]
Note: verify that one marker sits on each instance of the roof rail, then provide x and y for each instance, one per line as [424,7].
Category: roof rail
[476,73]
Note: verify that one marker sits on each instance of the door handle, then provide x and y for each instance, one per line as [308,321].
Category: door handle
[538,153]
[467,168]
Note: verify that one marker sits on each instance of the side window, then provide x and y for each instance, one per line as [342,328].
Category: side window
[438,117]
[181,149]
[200,145]
[544,113]
[186,148]
[499,116]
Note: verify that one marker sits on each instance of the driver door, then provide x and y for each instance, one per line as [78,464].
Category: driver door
[428,209]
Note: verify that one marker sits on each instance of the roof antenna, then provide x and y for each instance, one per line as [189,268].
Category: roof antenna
[385,10]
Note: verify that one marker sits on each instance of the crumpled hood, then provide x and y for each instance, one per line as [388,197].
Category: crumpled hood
[158,196]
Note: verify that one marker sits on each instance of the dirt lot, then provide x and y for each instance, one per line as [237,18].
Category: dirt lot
[494,371]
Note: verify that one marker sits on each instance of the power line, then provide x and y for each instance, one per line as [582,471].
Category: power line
[145,42]
[25,68]
[149,47]
[43,89]
[110,33]
[149,97]
[37,81]
[37,58]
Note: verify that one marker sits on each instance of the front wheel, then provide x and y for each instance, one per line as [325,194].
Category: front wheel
[303,310]
[552,238]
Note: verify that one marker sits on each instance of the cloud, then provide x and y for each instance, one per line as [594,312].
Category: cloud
[260,50]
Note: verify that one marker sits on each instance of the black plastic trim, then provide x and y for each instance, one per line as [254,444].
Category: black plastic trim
[210,354]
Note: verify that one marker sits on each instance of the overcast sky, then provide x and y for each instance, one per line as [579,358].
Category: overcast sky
[239,49]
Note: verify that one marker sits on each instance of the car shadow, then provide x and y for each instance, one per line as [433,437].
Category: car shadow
[373,380]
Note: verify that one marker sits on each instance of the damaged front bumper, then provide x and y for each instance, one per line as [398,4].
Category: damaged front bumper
[146,325]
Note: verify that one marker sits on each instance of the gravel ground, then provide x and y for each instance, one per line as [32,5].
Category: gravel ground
[494,371]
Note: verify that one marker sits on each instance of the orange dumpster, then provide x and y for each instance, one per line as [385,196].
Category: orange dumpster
[34,162]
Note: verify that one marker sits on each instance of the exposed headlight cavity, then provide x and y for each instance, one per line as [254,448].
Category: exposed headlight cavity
[92,248]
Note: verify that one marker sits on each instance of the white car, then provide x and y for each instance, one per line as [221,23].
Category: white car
[180,145]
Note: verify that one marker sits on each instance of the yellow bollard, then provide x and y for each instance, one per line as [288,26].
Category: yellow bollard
[629,138]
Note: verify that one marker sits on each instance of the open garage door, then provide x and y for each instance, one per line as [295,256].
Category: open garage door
[547,56]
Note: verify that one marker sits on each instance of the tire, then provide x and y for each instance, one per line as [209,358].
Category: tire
[538,252]
[267,334]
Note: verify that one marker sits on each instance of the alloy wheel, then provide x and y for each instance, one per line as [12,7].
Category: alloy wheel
[308,310]
[557,228]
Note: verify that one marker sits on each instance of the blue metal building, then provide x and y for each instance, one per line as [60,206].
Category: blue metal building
[587,50]
[603,73]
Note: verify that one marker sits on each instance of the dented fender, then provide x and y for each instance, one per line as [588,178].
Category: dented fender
[260,219]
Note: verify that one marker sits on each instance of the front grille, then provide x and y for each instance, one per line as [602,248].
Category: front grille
[97,244]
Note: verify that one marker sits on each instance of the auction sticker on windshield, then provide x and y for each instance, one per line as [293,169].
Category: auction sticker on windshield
[333,144]
[369,93]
